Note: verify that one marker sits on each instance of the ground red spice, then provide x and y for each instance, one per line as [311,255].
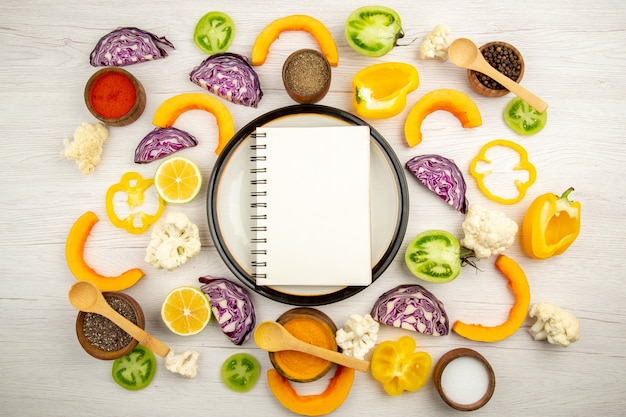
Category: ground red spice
[113,95]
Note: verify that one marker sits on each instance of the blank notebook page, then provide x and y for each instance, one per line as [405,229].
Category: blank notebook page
[315,228]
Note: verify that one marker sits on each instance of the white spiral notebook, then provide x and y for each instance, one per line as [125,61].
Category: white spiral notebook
[310,206]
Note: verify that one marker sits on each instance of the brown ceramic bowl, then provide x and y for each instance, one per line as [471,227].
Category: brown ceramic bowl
[306,76]
[98,352]
[468,376]
[111,91]
[290,364]
[475,82]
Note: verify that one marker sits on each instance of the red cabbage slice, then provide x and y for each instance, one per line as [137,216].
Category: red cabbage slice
[162,142]
[232,307]
[229,76]
[412,307]
[441,176]
[126,46]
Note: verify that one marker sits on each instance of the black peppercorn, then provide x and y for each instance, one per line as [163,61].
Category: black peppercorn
[505,60]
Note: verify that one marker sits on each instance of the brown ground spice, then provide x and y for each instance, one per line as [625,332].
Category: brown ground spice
[306,74]
[103,333]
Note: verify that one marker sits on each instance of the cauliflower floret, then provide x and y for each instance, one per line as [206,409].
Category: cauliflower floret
[185,364]
[558,326]
[435,44]
[358,335]
[487,232]
[173,242]
[86,148]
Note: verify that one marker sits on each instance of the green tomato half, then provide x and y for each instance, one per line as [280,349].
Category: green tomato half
[214,32]
[523,118]
[373,30]
[434,256]
[135,370]
[240,372]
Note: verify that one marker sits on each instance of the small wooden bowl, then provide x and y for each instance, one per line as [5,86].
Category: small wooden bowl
[445,360]
[481,89]
[95,351]
[135,111]
[306,76]
[289,367]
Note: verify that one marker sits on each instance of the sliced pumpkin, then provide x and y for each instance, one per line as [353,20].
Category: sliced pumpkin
[312,405]
[301,22]
[74,249]
[170,109]
[454,101]
[519,285]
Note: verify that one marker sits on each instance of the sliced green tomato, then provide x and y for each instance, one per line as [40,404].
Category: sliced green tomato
[240,372]
[214,32]
[373,30]
[135,370]
[434,256]
[523,118]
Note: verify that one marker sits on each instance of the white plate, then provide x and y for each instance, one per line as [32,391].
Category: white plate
[228,203]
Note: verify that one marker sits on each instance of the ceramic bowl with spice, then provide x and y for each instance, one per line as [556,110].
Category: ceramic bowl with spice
[103,339]
[306,76]
[312,326]
[115,97]
[505,58]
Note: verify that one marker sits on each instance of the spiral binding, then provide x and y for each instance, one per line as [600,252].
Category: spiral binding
[258,204]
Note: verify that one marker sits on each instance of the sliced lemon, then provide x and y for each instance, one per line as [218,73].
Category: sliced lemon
[186,310]
[178,179]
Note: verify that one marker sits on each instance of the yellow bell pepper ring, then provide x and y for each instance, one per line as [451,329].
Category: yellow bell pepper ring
[380,90]
[523,165]
[551,225]
[399,367]
[134,186]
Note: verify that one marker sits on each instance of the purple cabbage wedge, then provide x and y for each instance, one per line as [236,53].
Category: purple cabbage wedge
[441,176]
[412,307]
[232,307]
[229,76]
[162,142]
[127,46]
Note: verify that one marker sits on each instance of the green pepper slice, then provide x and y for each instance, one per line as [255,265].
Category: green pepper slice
[214,32]
[373,30]
[523,118]
[135,370]
[240,372]
[434,256]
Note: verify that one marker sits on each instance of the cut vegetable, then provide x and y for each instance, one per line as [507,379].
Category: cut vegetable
[434,256]
[300,22]
[412,307]
[135,370]
[170,109]
[126,46]
[523,118]
[214,32]
[441,176]
[373,30]
[519,285]
[162,142]
[240,372]
[454,101]
[74,248]
[230,77]
[232,307]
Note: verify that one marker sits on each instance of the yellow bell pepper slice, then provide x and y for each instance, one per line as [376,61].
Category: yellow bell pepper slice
[380,90]
[134,186]
[551,225]
[399,367]
[523,165]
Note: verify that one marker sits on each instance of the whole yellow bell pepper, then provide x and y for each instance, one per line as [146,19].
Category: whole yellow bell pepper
[551,225]
[134,186]
[399,367]
[523,165]
[380,90]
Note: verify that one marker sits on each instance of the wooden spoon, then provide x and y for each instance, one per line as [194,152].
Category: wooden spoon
[273,337]
[85,296]
[465,54]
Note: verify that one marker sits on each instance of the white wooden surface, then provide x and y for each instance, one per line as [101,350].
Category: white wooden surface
[575,59]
